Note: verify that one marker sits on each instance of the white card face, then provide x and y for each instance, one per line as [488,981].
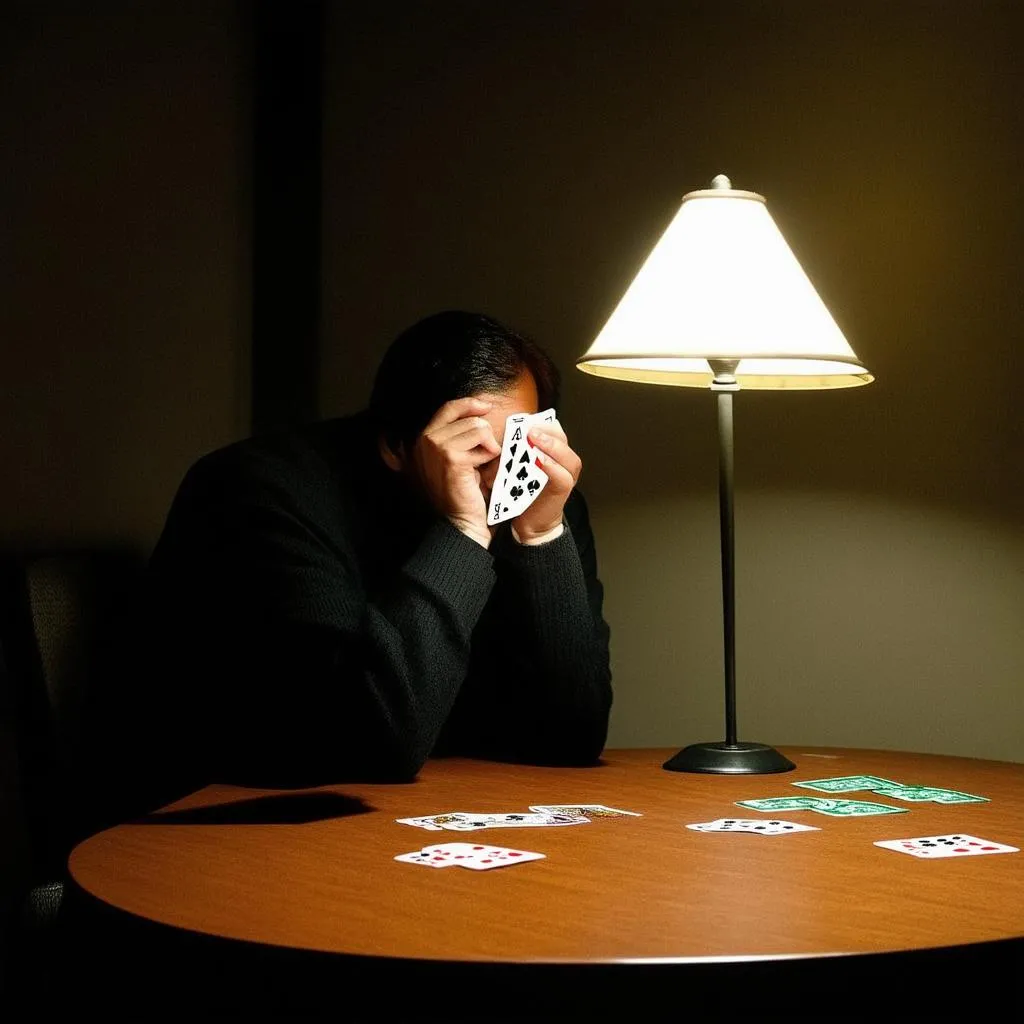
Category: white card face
[536,819]
[758,826]
[446,855]
[474,856]
[585,810]
[433,822]
[424,858]
[953,845]
[473,822]
[519,479]
[484,857]
[424,822]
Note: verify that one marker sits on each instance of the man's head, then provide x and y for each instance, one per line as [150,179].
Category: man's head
[450,355]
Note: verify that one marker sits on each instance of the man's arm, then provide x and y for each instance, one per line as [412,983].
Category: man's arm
[305,673]
[540,682]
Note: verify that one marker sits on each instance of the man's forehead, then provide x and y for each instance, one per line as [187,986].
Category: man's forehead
[519,396]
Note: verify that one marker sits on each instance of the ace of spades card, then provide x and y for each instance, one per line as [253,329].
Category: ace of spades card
[519,479]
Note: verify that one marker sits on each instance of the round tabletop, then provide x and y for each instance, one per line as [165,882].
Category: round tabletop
[315,870]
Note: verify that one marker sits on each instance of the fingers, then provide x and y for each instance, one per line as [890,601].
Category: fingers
[557,459]
[563,467]
[470,437]
[456,409]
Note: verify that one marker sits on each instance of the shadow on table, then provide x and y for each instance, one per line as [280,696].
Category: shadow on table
[272,809]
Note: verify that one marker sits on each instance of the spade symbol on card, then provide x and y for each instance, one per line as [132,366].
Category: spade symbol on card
[518,483]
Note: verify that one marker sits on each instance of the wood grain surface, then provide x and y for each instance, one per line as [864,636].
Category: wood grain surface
[314,869]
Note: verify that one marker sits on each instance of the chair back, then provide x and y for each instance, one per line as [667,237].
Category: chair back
[64,621]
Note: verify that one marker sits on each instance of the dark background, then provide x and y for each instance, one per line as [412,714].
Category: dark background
[199,240]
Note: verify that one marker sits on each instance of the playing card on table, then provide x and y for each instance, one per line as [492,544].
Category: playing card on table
[786,803]
[481,856]
[846,783]
[823,805]
[856,808]
[424,858]
[886,787]
[585,810]
[937,847]
[426,823]
[445,855]
[932,794]
[475,856]
[468,821]
[514,819]
[519,479]
[432,822]
[758,826]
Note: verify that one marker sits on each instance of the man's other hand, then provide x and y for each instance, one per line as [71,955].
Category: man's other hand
[563,468]
[447,458]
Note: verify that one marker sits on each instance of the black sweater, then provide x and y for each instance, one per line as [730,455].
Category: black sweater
[310,619]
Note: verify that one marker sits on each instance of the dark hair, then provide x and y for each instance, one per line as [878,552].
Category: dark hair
[451,355]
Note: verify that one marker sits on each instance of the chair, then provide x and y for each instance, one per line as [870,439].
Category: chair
[64,619]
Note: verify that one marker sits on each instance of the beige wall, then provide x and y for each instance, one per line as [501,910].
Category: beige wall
[522,159]
[124,304]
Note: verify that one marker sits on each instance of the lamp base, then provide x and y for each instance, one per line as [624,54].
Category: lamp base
[729,759]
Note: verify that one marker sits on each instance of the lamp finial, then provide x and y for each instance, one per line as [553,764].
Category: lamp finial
[720,181]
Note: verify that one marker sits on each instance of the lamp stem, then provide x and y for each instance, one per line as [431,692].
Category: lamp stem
[730,757]
[725,512]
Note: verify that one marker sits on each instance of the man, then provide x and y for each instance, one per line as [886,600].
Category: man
[330,603]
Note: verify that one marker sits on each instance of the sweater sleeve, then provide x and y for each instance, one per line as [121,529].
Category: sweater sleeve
[299,673]
[540,687]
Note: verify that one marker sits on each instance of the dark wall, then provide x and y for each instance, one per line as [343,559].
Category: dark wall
[125,296]
[523,158]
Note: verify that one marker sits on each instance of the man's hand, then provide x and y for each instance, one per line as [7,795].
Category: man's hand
[563,467]
[446,460]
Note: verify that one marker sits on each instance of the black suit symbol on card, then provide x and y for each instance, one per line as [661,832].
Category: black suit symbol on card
[517,483]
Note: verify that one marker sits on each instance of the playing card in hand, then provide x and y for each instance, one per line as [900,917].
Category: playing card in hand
[519,479]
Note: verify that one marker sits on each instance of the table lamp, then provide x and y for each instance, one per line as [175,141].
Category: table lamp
[721,302]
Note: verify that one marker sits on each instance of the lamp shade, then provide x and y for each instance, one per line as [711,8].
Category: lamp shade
[723,284]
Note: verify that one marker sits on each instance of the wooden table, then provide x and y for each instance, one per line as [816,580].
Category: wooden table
[311,874]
